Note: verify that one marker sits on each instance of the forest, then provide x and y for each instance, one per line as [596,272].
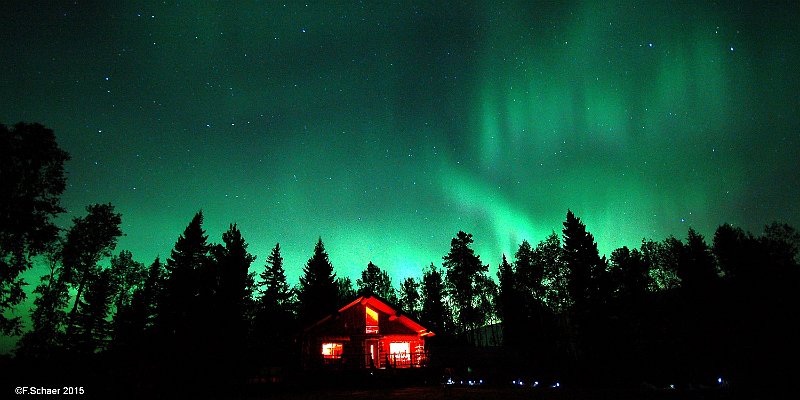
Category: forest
[689,310]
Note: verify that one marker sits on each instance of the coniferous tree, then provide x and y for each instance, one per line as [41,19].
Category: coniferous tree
[586,285]
[92,329]
[510,308]
[696,269]
[585,266]
[318,291]
[409,297]
[234,289]
[31,183]
[182,306]
[274,317]
[274,292]
[463,268]
[435,311]
[231,304]
[529,275]
[374,280]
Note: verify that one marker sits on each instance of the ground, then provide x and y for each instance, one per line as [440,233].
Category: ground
[505,393]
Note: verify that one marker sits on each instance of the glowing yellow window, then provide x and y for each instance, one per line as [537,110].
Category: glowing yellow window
[331,350]
[372,321]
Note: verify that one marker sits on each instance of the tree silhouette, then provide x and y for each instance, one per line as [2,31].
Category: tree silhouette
[345,290]
[31,183]
[230,311]
[510,302]
[127,275]
[318,291]
[274,292]
[630,274]
[589,291]
[435,310]
[274,322]
[48,316]
[90,239]
[584,264]
[374,280]
[548,257]
[409,298]
[464,269]
[182,303]
[133,323]
[91,328]
[696,268]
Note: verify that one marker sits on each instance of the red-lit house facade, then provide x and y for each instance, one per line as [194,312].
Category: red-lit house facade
[366,333]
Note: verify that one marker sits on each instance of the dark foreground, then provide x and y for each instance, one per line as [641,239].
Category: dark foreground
[510,393]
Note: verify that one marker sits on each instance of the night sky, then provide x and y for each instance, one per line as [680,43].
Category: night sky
[387,128]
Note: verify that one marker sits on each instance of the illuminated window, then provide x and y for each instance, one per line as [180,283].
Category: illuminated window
[372,321]
[331,350]
[400,350]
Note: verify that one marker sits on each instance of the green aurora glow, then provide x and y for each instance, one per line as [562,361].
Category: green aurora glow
[387,128]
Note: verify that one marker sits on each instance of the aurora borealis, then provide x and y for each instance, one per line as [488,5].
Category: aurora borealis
[386,128]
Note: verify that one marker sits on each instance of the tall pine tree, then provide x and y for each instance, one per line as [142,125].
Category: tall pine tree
[586,268]
[181,308]
[318,291]
[377,281]
[229,316]
[274,321]
[462,281]
[435,311]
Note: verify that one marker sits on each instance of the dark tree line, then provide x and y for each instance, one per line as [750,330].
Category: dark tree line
[683,311]
[678,310]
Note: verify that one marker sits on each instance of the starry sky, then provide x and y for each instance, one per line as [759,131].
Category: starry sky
[385,128]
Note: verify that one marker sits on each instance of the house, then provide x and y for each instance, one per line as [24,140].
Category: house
[366,333]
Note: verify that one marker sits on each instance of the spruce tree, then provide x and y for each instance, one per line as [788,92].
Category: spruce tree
[229,314]
[463,269]
[584,264]
[92,329]
[318,291]
[274,321]
[274,293]
[435,311]
[510,305]
[180,308]
[374,280]
[697,271]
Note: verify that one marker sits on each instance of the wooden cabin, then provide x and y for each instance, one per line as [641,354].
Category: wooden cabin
[366,333]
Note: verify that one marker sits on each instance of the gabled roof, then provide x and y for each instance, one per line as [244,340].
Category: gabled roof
[383,306]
